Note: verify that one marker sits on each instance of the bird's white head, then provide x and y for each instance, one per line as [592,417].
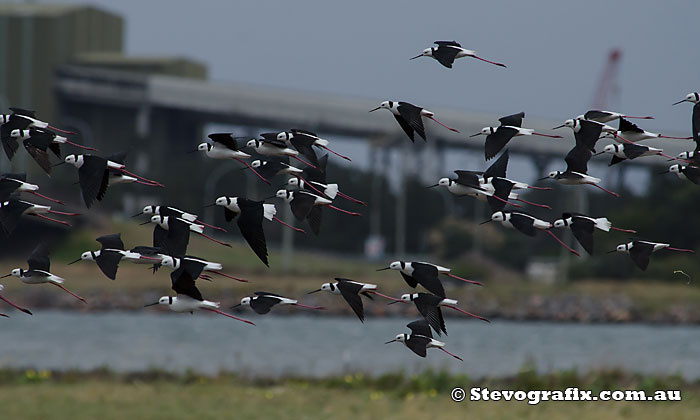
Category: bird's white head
[327,287]
[287,195]
[622,248]
[675,168]
[252,143]
[445,182]
[75,160]
[684,155]
[284,136]
[613,148]
[87,256]
[553,174]
[486,131]
[225,201]
[17,272]
[693,97]
[498,216]
[559,223]
[401,338]
[169,261]
[245,301]
[204,147]
[407,297]
[151,210]
[397,265]
[293,182]
[165,300]
[256,163]
[384,105]
[159,220]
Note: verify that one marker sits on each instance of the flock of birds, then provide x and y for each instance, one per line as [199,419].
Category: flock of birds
[308,192]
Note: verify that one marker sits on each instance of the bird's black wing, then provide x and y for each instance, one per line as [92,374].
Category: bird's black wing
[498,140]
[226,139]
[468,179]
[39,259]
[7,187]
[229,214]
[499,167]
[409,280]
[193,268]
[615,160]
[317,174]
[577,160]
[94,178]
[502,188]
[640,253]
[350,292]
[418,344]
[692,173]
[588,134]
[303,145]
[307,132]
[9,144]
[515,120]
[427,305]
[633,151]
[178,237]
[148,251]
[251,226]
[427,276]
[405,126]
[160,236]
[108,261]
[594,115]
[523,223]
[445,54]
[112,241]
[302,204]
[263,304]
[448,43]
[411,114]
[119,157]
[314,219]
[420,327]
[183,284]
[582,229]
[272,165]
[696,126]
[56,149]
[628,126]
[41,157]
[21,111]
[10,214]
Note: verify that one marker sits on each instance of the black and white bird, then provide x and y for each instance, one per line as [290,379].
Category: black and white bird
[498,137]
[640,251]
[272,147]
[13,209]
[586,132]
[351,290]
[421,339]
[629,151]
[93,175]
[263,302]
[632,133]
[250,223]
[17,183]
[577,170]
[527,224]
[429,306]
[172,234]
[273,166]
[307,205]
[582,227]
[447,52]
[43,136]
[606,116]
[301,143]
[693,98]
[425,274]
[410,117]
[687,172]
[189,298]
[224,146]
[304,134]
[14,305]
[39,271]
[173,211]
[111,253]
[195,266]
[20,119]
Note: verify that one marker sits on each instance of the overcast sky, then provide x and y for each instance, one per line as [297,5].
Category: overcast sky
[555,50]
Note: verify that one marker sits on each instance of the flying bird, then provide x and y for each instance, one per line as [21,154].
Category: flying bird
[582,227]
[111,253]
[425,274]
[17,183]
[632,133]
[447,52]
[263,302]
[301,134]
[13,209]
[640,251]
[429,306]
[421,339]
[606,116]
[172,234]
[306,205]
[527,224]
[498,137]
[624,151]
[226,146]
[693,98]
[409,117]
[577,170]
[195,266]
[272,147]
[351,290]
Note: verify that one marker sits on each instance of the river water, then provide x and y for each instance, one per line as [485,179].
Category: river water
[314,346]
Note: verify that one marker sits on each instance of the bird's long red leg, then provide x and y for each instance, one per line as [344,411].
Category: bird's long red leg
[607,191]
[551,136]
[463,279]
[63,213]
[354,200]
[304,162]
[467,313]
[26,311]
[453,355]
[544,206]
[676,138]
[227,275]
[47,198]
[228,315]
[351,213]
[214,240]
[622,138]
[689,162]
[59,130]
[679,249]
[210,226]
[6,316]
[69,292]
[53,220]
[289,226]
[623,230]
[539,188]
[562,243]
[638,118]
[81,146]
[336,153]
[149,184]
[489,61]
[384,296]
[506,201]
[254,171]
[310,185]
[449,128]
[308,307]
[141,178]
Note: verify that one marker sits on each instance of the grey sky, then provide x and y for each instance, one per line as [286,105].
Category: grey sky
[554,49]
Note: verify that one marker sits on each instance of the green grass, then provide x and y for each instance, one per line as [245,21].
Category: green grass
[156,395]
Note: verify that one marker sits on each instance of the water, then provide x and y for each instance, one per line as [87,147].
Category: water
[321,346]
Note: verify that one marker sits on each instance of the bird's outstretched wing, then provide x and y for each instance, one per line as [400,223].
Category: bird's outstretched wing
[251,226]
[39,259]
[183,284]
[411,114]
[302,204]
[427,305]
[515,120]
[498,140]
[350,292]
[577,160]
[523,223]
[582,229]
[427,276]
[640,252]
[499,167]
[111,241]
[94,178]
[420,327]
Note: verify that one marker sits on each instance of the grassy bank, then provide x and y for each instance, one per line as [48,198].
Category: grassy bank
[156,395]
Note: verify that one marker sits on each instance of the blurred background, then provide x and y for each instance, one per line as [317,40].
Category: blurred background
[154,78]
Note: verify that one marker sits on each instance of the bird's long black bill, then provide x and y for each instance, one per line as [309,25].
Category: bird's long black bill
[385,268]
[210,205]
[679,102]
[485,222]
[433,186]
[150,304]
[664,172]
[372,110]
[418,56]
[599,153]
[73,262]
[390,341]
[58,164]
[317,290]
[543,178]
[144,223]
[393,302]
[559,126]
[193,151]
[138,214]
[474,135]
[610,252]
[8,275]
[235,306]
